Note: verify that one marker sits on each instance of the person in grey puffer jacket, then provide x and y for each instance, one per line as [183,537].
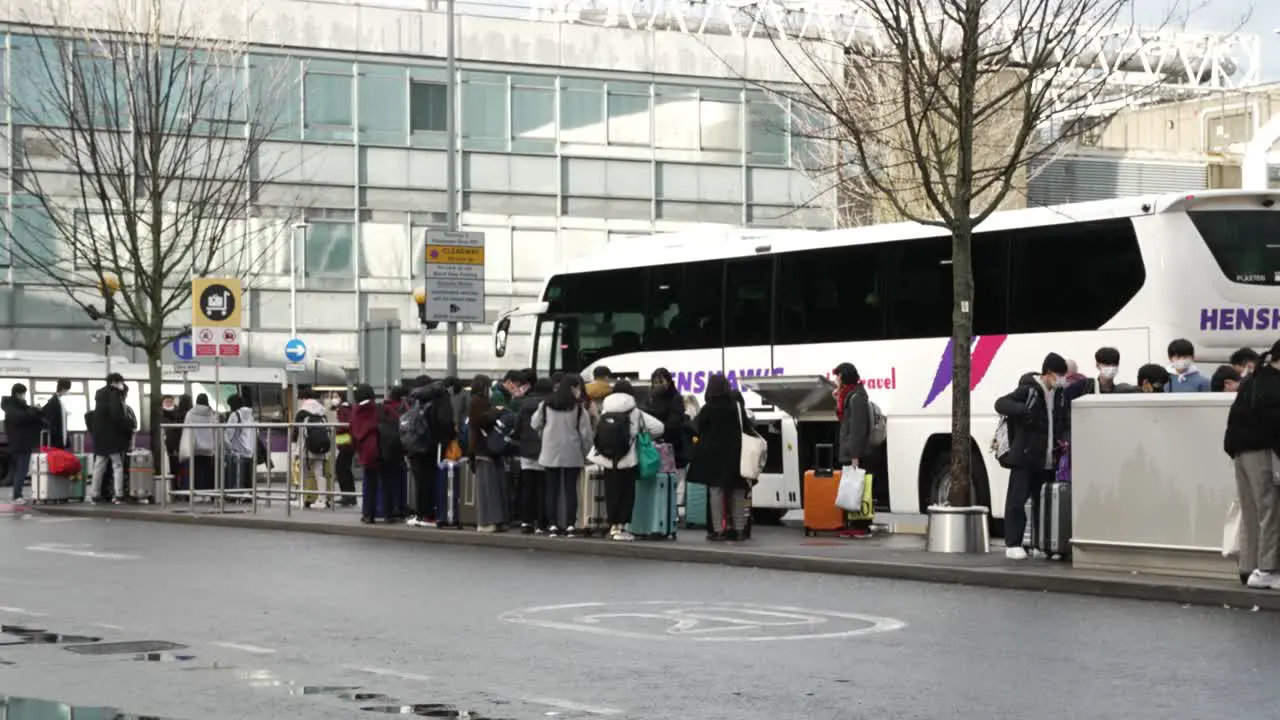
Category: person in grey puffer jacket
[565,426]
[854,411]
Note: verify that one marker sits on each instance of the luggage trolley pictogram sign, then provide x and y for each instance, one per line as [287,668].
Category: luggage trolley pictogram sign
[216,316]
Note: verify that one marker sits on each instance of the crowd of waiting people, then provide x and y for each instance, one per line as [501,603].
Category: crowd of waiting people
[1039,416]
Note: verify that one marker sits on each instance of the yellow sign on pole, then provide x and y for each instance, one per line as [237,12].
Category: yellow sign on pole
[454,255]
[215,303]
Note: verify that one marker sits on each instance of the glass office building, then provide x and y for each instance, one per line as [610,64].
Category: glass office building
[568,135]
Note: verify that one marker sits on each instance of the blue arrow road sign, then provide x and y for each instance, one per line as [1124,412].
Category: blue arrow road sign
[295,350]
[182,347]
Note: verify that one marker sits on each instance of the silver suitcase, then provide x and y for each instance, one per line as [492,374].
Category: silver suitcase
[45,487]
[592,513]
[142,476]
[1053,531]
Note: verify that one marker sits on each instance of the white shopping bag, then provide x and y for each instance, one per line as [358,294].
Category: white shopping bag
[1231,531]
[849,494]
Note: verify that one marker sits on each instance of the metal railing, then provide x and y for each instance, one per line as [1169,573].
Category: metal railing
[255,491]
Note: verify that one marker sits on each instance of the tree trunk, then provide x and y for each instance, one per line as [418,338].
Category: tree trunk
[155,413]
[961,490]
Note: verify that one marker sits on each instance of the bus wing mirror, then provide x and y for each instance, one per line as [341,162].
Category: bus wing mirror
[500,331]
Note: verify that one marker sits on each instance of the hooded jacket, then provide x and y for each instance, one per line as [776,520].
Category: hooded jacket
[22,425]
[306,408]
[1253,423]
[241,441]
[110,426]
[197,441]
[437,402]
[597,391]
[623,403]
[342,433]
[1035,425]
[1190,381]
[364,428]
[566,435]
[55,421]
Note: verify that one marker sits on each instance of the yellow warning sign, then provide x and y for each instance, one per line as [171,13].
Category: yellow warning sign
[454,255]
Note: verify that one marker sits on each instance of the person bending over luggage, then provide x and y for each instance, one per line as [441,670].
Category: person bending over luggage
[614,451]
[717,460]
[564,425]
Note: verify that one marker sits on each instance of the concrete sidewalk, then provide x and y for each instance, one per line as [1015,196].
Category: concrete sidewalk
[899,556]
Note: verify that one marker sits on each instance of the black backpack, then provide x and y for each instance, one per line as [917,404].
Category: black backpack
[613,436]
[501,439]
[415,434]
[316,436]
[390,448]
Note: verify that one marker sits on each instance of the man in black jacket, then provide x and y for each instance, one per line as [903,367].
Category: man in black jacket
[22,425]
[1252,440]
[55,416]
[1038,421]
[111,430]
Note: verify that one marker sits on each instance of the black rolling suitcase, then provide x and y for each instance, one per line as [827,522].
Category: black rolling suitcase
[1053,527]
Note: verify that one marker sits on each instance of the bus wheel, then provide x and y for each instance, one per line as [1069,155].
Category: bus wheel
[936,488]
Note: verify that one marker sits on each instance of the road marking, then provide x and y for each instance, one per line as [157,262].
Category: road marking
[572,706]
[388,672]
[252,649]
[703,622]
[107,626]
[21,611]
[55,521]
[79,551]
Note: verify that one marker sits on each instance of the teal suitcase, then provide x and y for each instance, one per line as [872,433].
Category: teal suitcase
[654,515]
[696,512]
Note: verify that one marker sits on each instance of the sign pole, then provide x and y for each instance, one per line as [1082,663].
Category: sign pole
[451,154]
[219,451]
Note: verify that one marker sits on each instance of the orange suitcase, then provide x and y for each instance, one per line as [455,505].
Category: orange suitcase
[820,487]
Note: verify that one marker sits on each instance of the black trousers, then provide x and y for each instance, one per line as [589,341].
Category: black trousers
[423,468]
[562,496]
[1023,485]
[620,494]
[345,473]
[532,491]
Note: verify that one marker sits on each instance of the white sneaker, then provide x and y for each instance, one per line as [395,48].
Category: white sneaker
[1015,553]
[1259,580]
[322,505]
[571,531]
[623,536]
[413,522]
[1036,554]
[487,529]
[553,531]
[20,501]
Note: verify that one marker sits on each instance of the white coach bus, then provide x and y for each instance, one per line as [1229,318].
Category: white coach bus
[777,311]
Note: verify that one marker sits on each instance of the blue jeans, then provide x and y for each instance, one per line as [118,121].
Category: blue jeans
[20,469]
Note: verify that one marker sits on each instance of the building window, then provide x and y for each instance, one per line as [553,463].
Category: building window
[329,248]
[720,125]
[383,92]
[675,117]
[766,133]
[327,100]
[629,122]
[428,107]
[582,111]
[533,114]
[484,111]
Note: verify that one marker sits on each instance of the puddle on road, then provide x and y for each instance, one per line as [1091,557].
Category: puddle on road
[22,708]
[430,710]
[322,689]
[162,657]
[364,697]
[39,636]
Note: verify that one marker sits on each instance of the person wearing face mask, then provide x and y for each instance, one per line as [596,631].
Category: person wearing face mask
[112,433]
[22,425]
[1244,361]
[1252,440]
[1037,412]
[1107,360]
[1186,377]
[1225,379]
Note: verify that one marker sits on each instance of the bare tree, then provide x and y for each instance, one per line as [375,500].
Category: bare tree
[136,162]
[938,108]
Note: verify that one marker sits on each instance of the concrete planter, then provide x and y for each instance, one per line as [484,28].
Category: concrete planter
[958,530]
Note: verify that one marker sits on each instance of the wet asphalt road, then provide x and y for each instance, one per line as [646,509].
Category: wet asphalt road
[281,625]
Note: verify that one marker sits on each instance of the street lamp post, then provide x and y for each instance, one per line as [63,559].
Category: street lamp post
[299,230]
[108,287]
[420,298]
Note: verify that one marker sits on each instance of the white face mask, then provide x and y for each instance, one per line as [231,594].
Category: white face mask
[1181,364]
[1060,383]
[1108,371]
